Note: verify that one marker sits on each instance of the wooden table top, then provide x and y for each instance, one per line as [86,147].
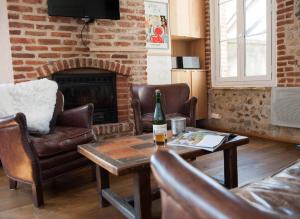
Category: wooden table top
[127,154]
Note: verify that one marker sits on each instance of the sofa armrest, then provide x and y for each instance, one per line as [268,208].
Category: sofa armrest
[189,110]
[78,117]
[17,155]
[197,193]
[137,113]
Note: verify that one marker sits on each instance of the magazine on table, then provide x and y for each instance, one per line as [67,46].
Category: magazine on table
[207,140]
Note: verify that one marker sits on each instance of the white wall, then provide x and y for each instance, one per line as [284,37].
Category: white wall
[159,69]
[159,63]
[6,69]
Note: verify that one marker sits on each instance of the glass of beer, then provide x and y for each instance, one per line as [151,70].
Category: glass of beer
[160,138]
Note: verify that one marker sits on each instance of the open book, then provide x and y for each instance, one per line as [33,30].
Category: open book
[207,140]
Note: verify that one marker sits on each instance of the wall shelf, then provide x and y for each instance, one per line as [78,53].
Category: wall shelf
[188,39]
[196,79]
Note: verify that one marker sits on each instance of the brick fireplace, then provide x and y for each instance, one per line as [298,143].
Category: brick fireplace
[43,45]
[81,86]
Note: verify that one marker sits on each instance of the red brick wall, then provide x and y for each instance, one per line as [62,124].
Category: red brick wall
[288,58]
[42,45]
[207,43]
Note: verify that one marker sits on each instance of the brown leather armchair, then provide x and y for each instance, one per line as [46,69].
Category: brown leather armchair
[188,193]
[175,102]
[36,159]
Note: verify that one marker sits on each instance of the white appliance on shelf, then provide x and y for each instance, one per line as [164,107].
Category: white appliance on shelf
[186,62]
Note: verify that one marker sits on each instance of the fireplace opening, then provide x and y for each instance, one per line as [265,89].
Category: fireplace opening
[88,85]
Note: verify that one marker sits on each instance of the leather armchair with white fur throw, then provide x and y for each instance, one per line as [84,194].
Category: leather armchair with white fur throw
[36,158]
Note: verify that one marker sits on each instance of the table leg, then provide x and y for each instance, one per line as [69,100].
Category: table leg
[102,183]
[230,168]
[142,194]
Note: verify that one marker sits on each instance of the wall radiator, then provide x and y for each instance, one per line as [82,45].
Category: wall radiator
[285,107]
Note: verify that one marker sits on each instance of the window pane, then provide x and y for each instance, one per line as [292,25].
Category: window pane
[228,58]
[256,41]
[227,19]
[256,55]
[256,17]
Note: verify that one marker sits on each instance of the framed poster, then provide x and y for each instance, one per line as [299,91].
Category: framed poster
[157,25]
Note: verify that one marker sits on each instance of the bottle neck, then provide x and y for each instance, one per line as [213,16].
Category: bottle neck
[157,99]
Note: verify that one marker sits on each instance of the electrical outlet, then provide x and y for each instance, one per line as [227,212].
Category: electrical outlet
[215,116]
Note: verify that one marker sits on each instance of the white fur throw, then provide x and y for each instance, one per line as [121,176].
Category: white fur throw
[36,99]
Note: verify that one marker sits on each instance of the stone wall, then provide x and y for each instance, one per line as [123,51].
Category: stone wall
[248,111]
[42,45]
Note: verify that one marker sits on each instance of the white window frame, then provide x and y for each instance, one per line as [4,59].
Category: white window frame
[270,80]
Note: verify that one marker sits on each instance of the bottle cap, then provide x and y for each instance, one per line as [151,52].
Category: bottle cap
[157,92]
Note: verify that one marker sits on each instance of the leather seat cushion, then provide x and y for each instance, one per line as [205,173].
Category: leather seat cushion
[62,139]
[148,119]
[279,194]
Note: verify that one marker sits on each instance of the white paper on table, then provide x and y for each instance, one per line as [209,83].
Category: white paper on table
[211,141]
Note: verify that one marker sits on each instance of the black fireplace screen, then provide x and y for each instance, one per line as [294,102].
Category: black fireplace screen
[97,88]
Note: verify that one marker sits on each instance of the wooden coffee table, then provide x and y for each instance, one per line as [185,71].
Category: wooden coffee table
[132,154]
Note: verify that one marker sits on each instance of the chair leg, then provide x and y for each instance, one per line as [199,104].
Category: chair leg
[13,184]
[37,195]
[93,172]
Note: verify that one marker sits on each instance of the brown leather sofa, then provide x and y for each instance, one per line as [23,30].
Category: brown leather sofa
[175,102]
[36,159]
[188,193]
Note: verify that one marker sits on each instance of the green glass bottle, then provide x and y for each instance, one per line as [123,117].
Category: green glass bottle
[159,121]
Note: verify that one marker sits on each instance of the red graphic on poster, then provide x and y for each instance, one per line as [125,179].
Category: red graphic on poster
[158,31]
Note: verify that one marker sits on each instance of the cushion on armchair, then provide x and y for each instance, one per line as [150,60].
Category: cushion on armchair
[279,194]
[63,139]
[36,99]
[173,97]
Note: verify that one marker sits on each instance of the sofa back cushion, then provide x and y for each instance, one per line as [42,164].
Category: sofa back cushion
[278,194]
[173,96]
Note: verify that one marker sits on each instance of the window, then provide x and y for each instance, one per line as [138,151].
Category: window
[242,38]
